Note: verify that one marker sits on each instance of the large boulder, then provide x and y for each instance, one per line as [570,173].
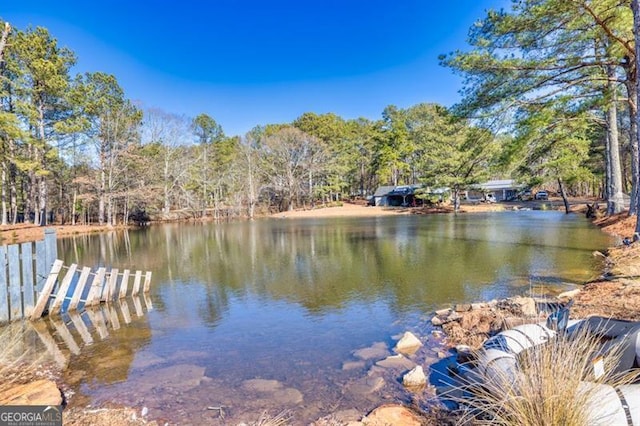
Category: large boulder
[39,392]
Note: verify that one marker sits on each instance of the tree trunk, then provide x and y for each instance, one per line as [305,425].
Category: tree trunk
[456,200]
[563,193]
[12,186]
[204,182]
[310,187]
[251,185]
[635,6]
[3,221]
[615,200]
[167,206]
[3,40]
[110,200]
[635,157]
[109,210]
[101,197]
[42,181]
[630,84]
[73,206]
[362,171]
[216,198]
[42,193]
[125,211]
[14,201]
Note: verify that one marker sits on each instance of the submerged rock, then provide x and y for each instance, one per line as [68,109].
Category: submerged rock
[408,345]
[262,385]
[377,350]
[288,396]
[396,361]
[352,365]
[180,377]
[415,378]
[392,414]
[464,353]
[349,417]
[366,385]
[274,390]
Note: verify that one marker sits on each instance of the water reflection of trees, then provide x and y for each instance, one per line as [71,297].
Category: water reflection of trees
[410,261]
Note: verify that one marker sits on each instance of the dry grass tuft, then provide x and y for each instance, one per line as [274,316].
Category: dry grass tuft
[281,419]
[550,387]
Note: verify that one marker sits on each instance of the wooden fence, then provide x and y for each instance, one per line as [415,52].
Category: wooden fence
[81,288]
[31,283]
[24,269]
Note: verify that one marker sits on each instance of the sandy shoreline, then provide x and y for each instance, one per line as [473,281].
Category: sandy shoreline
[358,210]
[345,210]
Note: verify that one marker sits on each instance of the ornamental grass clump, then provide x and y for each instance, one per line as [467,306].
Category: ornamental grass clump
[557,383]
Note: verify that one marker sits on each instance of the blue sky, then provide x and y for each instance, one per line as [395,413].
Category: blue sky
[250,62]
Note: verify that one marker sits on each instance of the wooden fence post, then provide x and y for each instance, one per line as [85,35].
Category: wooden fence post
[46,290]
[136,283]
[51,247]
[147,282]
[46,254]
[28,290]
[124,283]
[63,289]
[93,298]
[77,294]
[109,289]
[4,295]
[15,286]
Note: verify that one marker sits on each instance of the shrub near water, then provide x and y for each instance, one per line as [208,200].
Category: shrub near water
[549,388]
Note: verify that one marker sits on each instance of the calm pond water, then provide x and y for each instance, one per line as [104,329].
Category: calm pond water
[266,316]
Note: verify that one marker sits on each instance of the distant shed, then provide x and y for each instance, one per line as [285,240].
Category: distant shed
[380,197]
[395,196]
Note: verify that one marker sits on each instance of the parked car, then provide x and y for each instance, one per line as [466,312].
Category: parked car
[525,195]
[489,198]
[542,195]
